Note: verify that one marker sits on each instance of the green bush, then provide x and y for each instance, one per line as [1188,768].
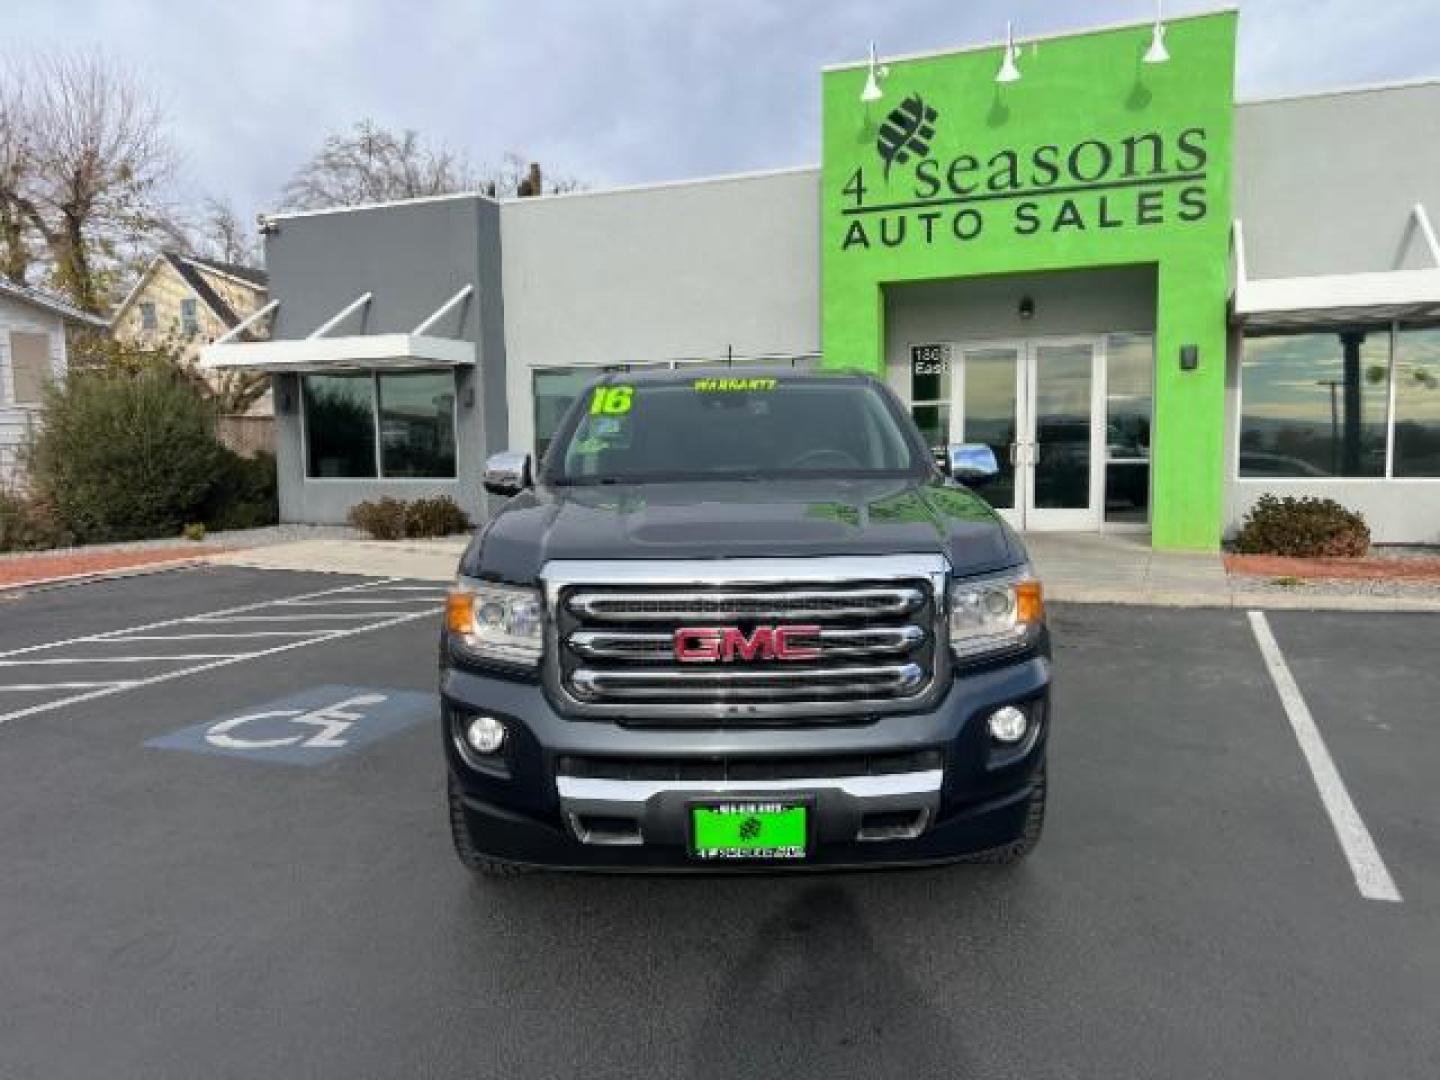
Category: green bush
[27,524]
[125,456]
[383,519]
[438,516]
[244,492]
[395,519]
[1303,527]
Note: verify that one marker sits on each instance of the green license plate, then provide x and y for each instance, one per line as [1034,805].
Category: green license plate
[749,829]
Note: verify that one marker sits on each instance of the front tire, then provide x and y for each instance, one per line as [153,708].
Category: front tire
[1017,849]
[470,856]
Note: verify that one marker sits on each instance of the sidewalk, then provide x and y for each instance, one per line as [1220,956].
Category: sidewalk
[427,560]
[1085,568]
[1121,568]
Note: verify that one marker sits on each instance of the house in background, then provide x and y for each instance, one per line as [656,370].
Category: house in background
[32,353]
[183,302]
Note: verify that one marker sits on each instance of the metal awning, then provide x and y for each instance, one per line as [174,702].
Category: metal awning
[319,352]
[1336,299]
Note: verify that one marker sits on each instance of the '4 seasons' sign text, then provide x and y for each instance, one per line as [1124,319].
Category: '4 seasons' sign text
[1136,181]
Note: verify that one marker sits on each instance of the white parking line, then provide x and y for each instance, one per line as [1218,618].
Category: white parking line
[51,660]
[183,619]
[32,688]
[302,616]
[374,620]
[1371,876]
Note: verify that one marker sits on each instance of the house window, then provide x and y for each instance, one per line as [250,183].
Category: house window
[1315,404]
[408,417]
[147,316]
[29,366]
[189,316]
[1417,402]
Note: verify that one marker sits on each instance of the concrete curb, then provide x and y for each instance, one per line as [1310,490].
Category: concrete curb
[1239,599]
[65,580]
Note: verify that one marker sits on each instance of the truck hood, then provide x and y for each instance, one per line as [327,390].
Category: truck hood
[733,519]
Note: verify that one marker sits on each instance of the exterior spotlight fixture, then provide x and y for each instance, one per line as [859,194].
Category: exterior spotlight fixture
[1008,71]
[1027,307]
[1157,53]
[872,91]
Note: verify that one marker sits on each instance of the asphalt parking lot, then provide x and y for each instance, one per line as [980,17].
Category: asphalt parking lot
[224,854]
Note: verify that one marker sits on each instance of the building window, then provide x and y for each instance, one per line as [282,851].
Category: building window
[930,393]
[339,426]
[29,367]
[1129,394]
[1417,402]
[1314,404]
[417,424]
[147,316]
[189,316]
[408,416]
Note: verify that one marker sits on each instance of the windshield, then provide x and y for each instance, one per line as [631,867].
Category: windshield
[714,428]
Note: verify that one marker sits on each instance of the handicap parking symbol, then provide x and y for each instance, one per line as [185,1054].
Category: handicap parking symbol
[309,728]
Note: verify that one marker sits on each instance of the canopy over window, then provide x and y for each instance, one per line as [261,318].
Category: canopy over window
[1336,299]
[320,353]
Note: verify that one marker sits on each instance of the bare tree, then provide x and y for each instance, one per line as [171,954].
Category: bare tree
[16,253]
[221,235]
[87,162]
[517,175]
[372,164]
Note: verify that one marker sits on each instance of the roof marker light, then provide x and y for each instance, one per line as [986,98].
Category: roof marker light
[1157,53]
[872,91]
[1008,71]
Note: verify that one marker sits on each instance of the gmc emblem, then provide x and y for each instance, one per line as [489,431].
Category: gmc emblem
[711,644]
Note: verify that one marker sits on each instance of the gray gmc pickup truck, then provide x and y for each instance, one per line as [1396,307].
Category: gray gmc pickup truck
[743,619]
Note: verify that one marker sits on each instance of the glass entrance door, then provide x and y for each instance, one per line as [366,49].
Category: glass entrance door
[1036,404]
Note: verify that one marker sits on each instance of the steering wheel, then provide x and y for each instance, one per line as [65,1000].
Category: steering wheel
[825,457]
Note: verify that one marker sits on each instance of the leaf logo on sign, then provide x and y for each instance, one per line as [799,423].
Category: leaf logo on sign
[906,132]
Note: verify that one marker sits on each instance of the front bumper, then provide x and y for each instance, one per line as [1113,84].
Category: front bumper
[959,793]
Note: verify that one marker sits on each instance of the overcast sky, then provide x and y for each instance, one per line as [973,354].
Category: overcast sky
[609,91]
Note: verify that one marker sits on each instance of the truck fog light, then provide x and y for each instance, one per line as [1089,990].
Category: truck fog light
[485,734]
[1008,724]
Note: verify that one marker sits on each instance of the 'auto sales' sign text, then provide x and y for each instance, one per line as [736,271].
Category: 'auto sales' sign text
[913,198]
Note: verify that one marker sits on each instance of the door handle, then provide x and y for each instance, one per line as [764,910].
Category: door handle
[1012,452]
[1034,453]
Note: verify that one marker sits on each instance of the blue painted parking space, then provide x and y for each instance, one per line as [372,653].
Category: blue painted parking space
[309,728]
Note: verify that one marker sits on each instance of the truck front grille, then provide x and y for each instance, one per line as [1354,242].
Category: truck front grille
[867,644]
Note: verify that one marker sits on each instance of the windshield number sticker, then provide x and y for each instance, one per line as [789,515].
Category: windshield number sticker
[741,385]
[611,400]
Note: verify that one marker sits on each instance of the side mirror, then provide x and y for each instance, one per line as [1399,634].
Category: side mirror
[971,463]
[507,473]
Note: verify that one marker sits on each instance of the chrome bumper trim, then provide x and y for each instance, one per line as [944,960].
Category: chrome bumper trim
[635,792]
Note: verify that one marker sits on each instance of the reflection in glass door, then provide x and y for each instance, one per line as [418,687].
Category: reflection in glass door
[988,388]
[1036,404]
[1063,435]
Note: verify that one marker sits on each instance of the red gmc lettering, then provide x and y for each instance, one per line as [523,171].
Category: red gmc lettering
[708,644]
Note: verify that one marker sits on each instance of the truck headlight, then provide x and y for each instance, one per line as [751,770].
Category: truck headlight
[993,614]
[496,622]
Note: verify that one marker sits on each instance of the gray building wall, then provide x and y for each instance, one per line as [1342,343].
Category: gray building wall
[659,273]
[1325,185]
[413,257]
[975,309]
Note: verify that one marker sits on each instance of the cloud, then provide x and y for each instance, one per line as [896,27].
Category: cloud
[610,92]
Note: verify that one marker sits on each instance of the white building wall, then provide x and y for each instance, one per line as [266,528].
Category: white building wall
[659,273]
[17,421]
